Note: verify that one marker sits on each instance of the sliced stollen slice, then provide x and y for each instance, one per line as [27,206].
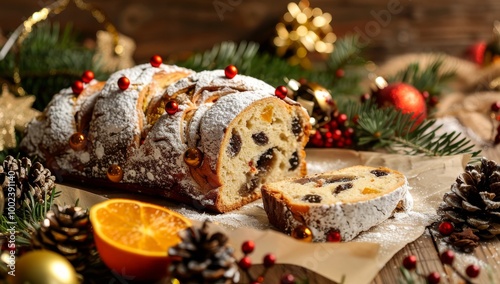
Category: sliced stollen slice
[348,201]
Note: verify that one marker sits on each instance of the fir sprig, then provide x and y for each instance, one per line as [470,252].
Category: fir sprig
[396,132]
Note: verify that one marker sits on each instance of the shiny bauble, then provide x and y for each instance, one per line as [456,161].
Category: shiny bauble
[193,157]
[42,267]
[115,173]
[302,233]
[318,102]
[403,97]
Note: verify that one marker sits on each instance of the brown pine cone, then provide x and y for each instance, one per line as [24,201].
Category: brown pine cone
[28,180]
[203,258]
[474,201]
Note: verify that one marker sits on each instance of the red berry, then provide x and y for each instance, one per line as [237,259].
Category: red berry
[339,73]
[77,87]
[281,92]
[337,133]
[334,236]
[433,278]
[245,263]
[447,257]
[365,97]
[342,118]
[495,106]
[123,83]
[248,247]
[433,101]
[426,95]
[340,143]
[269,260]
[230,71]
[87,76]
[156,60]
[333,125]
[410,262]
[348,142]
[317,139]
[171,107]
[348,132]
[446,228]
[260,279]
[287,279]
[472,271]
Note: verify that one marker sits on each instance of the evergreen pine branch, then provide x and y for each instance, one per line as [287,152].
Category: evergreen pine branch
[390,129]
[347,52]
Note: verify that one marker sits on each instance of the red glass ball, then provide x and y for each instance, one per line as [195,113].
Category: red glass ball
[334,237]
[446,228]
[269,260]
[404,98]
[77,87]
[156,60]
[287,279]
[349,132]
[123,83]
[365,97]
[342,118]
[248,247]
[281,92]
[495,106]
[472,271]
[337,133]
[245,263]
[447,257]
[171,107]
[433,278]
[87,76]
[230,71]
[410,262]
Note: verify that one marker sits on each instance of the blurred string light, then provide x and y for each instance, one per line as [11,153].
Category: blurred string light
[304,31]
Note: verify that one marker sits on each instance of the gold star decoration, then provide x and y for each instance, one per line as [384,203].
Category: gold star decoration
[111,56]
[15,113]
[304,31]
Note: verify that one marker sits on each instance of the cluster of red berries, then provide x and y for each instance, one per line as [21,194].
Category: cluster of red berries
[495,109]
[78,86]
[334,134]
[245,262]
[431,101]
[447,257]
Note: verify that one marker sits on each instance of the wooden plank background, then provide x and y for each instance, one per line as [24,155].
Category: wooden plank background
[176,28]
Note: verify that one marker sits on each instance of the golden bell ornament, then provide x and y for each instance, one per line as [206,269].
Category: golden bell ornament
[302,233]
[42,267]
[193,157]
[77,141]
[115,173]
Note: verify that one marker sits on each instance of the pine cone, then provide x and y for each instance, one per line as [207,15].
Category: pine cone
[200,258]
[67,230]
[474,201]
[28,180]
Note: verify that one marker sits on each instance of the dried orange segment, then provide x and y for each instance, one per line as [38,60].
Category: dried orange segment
[133,237]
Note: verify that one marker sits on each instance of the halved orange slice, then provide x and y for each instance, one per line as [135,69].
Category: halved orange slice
[133,237]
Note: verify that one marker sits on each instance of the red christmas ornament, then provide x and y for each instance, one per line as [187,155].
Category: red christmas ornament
[447,257]
[405,98]
[433,278]
[123,83]
[230,71]
[334,237]
[248,247]
[77,87]
[281,92]
[472,271]
[156,60]
[87,76]
[245,263]
[475,52]
[446,228]
[410,262]
[171,107]
[269,260]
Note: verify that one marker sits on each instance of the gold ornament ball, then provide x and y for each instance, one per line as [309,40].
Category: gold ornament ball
[77,141]
[193,157]
[302,233]
[115,173]
[42,267]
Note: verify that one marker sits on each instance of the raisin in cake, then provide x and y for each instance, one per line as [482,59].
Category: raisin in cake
[200,138]
[347,201]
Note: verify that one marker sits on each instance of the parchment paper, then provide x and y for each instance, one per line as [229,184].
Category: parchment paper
[359,260]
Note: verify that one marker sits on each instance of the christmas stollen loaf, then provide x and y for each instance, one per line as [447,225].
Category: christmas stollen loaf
[201,138]
[346,201]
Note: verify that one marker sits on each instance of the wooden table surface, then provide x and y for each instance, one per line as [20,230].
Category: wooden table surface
[427,249]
